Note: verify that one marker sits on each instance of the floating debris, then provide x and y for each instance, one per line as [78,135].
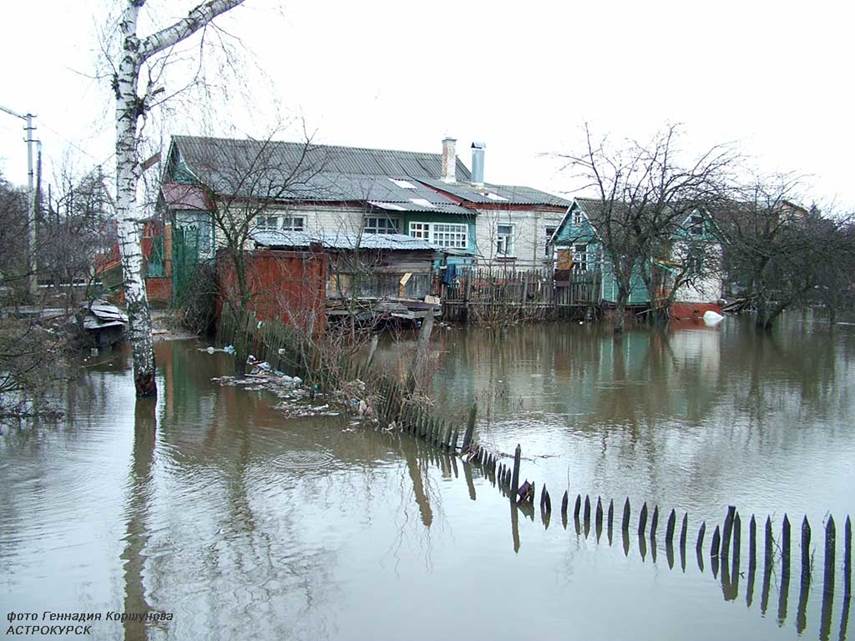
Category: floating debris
[296,400]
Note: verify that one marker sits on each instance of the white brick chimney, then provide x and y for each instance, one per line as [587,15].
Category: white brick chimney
[449,161]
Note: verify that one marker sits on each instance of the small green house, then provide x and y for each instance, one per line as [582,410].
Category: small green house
[578,247]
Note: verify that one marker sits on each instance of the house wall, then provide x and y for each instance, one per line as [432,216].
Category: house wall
[707,286]
[317,218]
[568,236]
[286,285]
[529,235]
[529,228]
[199,225]
[638,294]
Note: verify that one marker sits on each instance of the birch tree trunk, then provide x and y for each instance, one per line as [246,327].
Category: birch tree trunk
[130,108]
[128,112]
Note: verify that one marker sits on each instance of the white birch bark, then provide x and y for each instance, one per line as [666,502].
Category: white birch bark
[130,107]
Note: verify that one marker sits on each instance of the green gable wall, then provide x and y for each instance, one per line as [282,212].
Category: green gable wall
[638,294]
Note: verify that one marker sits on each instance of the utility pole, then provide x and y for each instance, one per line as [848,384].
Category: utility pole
[29,128]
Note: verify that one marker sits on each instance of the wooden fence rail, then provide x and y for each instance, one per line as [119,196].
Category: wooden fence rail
[482,295]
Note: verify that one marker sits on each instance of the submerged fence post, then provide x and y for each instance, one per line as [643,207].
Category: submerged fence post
[785,570]
[767,556]
[847,559]
[470,427]
[785,547]
[805,546]
[626,515]
[545,502]
[830,541]
[669,527]
[515,478]
[642,519]
[727,529]
[737,541]
[828,579]
[610,519]
[752,542]
[587,519]
[752,560]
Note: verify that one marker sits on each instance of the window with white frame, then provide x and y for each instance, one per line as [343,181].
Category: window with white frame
[580,257]
[381,225]
[420,230]
[293,223]
[454,235]
[577,217]
[505,240]
[276,222]
[546,247]
[267,222]
[449,235]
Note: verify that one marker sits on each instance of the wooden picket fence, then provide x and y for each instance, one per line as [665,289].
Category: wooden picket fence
[482,295]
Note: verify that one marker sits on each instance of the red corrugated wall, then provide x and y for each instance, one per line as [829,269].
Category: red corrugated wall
[287,285]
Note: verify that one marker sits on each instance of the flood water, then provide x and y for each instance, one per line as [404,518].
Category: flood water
[210,506]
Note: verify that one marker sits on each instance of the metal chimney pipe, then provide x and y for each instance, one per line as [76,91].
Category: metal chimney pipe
[449,161]
[478,163]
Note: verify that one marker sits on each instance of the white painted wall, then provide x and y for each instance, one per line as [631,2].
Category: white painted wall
[529,235]
[318,218]
[709,286]
[529,229]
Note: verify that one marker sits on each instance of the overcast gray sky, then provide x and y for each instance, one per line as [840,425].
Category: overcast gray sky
[776,77]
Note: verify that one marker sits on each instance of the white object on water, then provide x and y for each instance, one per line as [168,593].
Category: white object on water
[210,350]
[712,318]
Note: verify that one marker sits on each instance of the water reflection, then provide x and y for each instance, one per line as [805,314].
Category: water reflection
[136,511]
[695,417]
[246,525]
[725,554]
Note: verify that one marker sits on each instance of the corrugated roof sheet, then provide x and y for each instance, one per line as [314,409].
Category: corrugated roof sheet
[326,173]
[341,240]
[263,178]
[497,194]
[206,153]
[437,208]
